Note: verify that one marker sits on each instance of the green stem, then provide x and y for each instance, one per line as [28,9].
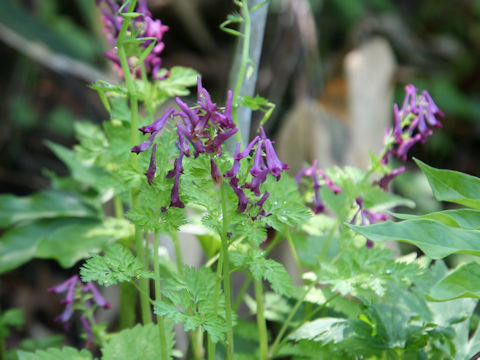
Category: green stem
[158,296]
[127,292]
[294,252]
[326,245]
[178,252]
[211,345]
[196,339]
[134,139]
[241,293]
[307,318]
[261,324]
[226,274]
[243,66]
[275,346]
[128,300]
[248,280]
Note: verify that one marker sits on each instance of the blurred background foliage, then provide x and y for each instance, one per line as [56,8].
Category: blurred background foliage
[41,96]
[52,49]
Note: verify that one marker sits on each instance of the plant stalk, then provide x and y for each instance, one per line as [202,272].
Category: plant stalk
[275,346]
[127,292]
[134,136]
[261,324]
[226,274]
[158,296]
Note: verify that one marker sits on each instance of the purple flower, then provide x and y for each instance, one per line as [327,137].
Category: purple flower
[216,176]
[97,297]
[150,173]
[88,330]
[242,199]
[73,297]
[367,217]
[411,123]
[385,180]
[144,26]
[158,124]
[313,171]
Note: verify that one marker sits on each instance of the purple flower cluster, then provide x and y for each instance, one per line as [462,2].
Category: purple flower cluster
[72,287]
[314,172]
[367,217]
[265,161]
[145,27]
[418,111]
[205,127]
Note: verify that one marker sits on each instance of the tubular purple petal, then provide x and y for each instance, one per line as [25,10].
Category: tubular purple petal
[215,173]
[257,168]
[97,297]
[234,170]
[300,174]
[158,124]
[152,168]
[263,199]
[385,180]
[242,199]
[222,137]
[192,116]
[248,149]
[273,162]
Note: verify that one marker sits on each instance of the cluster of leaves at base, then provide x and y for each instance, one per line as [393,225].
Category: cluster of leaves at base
[189,297]
[401,324]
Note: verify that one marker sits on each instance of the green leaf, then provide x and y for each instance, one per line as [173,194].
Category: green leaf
[80,170]
[254,103]
[189,299]
[461,282]
[45,204]
[138,343]
[268,269]
[56,354]
[179,79]
[66,240]
[11,318]
[324,330]
[117,265]
[434,238]
[452,186]
[80,238]
[464,218]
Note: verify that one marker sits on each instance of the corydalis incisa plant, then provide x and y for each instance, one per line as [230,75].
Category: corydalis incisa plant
[204,128]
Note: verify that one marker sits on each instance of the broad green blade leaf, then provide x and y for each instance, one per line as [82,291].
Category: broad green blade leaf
[56,354]
[462,282]
[80,171]
[45,204]
[138,343]
[435,239]
[324,330]
[66,240]
[452,186]
[19,245]
[79,239]
[465,218]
